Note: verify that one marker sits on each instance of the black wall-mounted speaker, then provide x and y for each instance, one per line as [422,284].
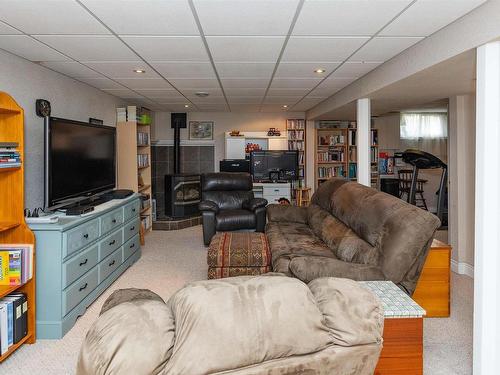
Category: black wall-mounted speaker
[178,120]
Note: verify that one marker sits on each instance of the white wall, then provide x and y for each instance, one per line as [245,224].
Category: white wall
[26,82]
[462,124]
[224,122]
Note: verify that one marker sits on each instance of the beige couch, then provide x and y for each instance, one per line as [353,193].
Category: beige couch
[351,231]
[269,324]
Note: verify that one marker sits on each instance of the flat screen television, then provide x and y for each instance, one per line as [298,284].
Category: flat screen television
[80,160]
[274,165]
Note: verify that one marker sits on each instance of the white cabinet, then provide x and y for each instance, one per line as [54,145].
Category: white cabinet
[272,191]
[235,146]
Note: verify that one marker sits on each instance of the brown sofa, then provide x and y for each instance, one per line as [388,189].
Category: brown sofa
[269,325]
[351,231]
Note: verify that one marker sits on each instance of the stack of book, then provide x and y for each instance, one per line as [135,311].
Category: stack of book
[142,139]
[13,320]
[16,264]
[142,160]
[9,156]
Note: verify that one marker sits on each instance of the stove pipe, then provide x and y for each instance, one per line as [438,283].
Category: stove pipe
[178,121]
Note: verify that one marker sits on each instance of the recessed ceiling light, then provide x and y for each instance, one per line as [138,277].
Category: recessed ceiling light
[285,106]
[186,105]
[139,70]
[319,70]
[201,94]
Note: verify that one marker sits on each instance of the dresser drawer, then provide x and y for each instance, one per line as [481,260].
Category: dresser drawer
[131,246]
[283,191]
[110,243]
[131,229]
[132,210]
[108,265]
[80,237]
[78,265]
[73,295]
[111,220]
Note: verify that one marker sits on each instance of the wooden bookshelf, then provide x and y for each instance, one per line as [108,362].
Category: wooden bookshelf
[336,153]
[13,228]
[129,149]
[296,136]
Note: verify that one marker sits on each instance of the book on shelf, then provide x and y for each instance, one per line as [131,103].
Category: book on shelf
[295,124]
[331,140]
[146,221]
[16,263]
[142,139]
[351,137]
[374,137]
[9,157]
[13,320]
[142,160]
[327,172]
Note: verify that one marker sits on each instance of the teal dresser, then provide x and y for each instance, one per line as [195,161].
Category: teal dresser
[77,258]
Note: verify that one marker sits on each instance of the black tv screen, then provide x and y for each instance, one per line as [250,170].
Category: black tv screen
[274,165]
[80,158]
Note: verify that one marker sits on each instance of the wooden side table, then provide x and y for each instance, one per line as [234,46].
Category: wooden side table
[403,330]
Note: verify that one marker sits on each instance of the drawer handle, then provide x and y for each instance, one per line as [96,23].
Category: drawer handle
[112,242]
[133,228]
[83,263]
[133,245]
[133,209]
[276,189]
[111,263]
[113,221]
[86,235]
[83,287]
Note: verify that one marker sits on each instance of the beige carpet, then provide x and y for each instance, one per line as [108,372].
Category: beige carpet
[170,259]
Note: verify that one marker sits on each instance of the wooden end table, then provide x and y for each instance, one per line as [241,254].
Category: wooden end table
[403,330]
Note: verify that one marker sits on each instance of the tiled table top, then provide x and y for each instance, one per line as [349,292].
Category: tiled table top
[396,303]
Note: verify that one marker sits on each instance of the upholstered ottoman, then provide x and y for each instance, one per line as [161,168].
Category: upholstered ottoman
[238,254]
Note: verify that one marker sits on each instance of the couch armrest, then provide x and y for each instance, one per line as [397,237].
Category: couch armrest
[208,206]
[254,203]
[282,212]
[353,314]
[308,268]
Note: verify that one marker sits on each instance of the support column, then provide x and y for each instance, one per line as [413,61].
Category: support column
[487,212]
[363,141]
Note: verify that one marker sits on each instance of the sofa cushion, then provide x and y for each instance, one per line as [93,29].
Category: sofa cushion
[283,212]
[308,268]
[133,337]
[353,314]
[236,322]
[235,219]
[342,240]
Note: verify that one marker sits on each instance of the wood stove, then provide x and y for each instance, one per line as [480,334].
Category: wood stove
[182,195]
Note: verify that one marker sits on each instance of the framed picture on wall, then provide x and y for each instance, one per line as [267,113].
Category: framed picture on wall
[203,130]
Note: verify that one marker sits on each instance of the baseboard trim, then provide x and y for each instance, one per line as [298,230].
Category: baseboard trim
[462,268]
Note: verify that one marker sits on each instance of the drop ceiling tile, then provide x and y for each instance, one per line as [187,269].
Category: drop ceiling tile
[24,46]
[179,107]
[287,92]
[295,83]
[230,17]
[214,100]
[190,93]
[314,49]
[144,83]
[195,84]
[355,69]
[145,17]
[213,108]
[185,69]
[306,104]
[103,83]
[71,68]
[122,69]
[341,17]
[328,89]
[162,94]
[245,48]
[90,47]
[245,69]
[245,91]
[168,48]
[123,93]
[283,100]
[7,30]
[244,99]
[272,108]
[304,69]
[333,82]
[425,17]
[50,17]
[384,48]
[244,83]
[245,107]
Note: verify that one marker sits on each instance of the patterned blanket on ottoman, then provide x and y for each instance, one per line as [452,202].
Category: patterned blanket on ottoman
[238,254]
